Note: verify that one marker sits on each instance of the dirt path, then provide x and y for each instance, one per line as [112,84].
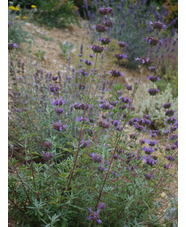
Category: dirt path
[48,41]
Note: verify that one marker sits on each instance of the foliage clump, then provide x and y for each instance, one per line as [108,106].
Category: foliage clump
[145,105]
[88,159]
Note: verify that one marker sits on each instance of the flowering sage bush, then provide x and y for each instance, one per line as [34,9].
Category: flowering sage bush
[87,160]
[131,22]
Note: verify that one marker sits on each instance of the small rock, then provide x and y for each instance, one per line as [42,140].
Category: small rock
[163,195]
[27,24]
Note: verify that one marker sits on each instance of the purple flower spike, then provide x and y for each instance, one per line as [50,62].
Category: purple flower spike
[152,69]
[125,99]
[47,156]
[54,78]
[9,24]
[171,120]
[115,73]
[15,45]
[108,23]
[59,126]
[87,62]
[11,46]
[146,116]
[82,106]
[148,150]
[149,160]
[94,216]
[101,205]
[148,176]
[169,113]
[79,119]
[176,144]
[158,25]
[139,127]
[103,124]
[97,158]
[116,123]
[97,49]
[167,105]
[164,27]
[104,11]
[153,133]
[47,144]
[153,91]
[113,173]
[144,60]
[167,166]
[53,88]
[152,41]
[128,87]
[122,44]
[166,132]
[119,128]
[58,102]
[169,157]
[101,168]
[85,143]
[101,28]
[113,103]
[173,137]
[153,78]
[105,41]
[106,106]
[152,143]
[120,56]
[59,111]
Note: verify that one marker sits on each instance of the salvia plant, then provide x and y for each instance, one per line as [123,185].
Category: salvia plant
[87,160]
[144,105]
[131,22]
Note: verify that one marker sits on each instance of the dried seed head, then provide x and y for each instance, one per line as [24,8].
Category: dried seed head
[96,158]
[59,111]
[105,11]
[103,124]
[101,28]
[97,49]
[107,23]
[158,25]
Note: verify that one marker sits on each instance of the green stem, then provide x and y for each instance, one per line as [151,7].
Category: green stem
[81,131]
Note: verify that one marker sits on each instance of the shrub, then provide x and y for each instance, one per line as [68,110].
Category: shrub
[16,34]
[145,105]
[166,59]
[131,25]
[56,13]
[86,159]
